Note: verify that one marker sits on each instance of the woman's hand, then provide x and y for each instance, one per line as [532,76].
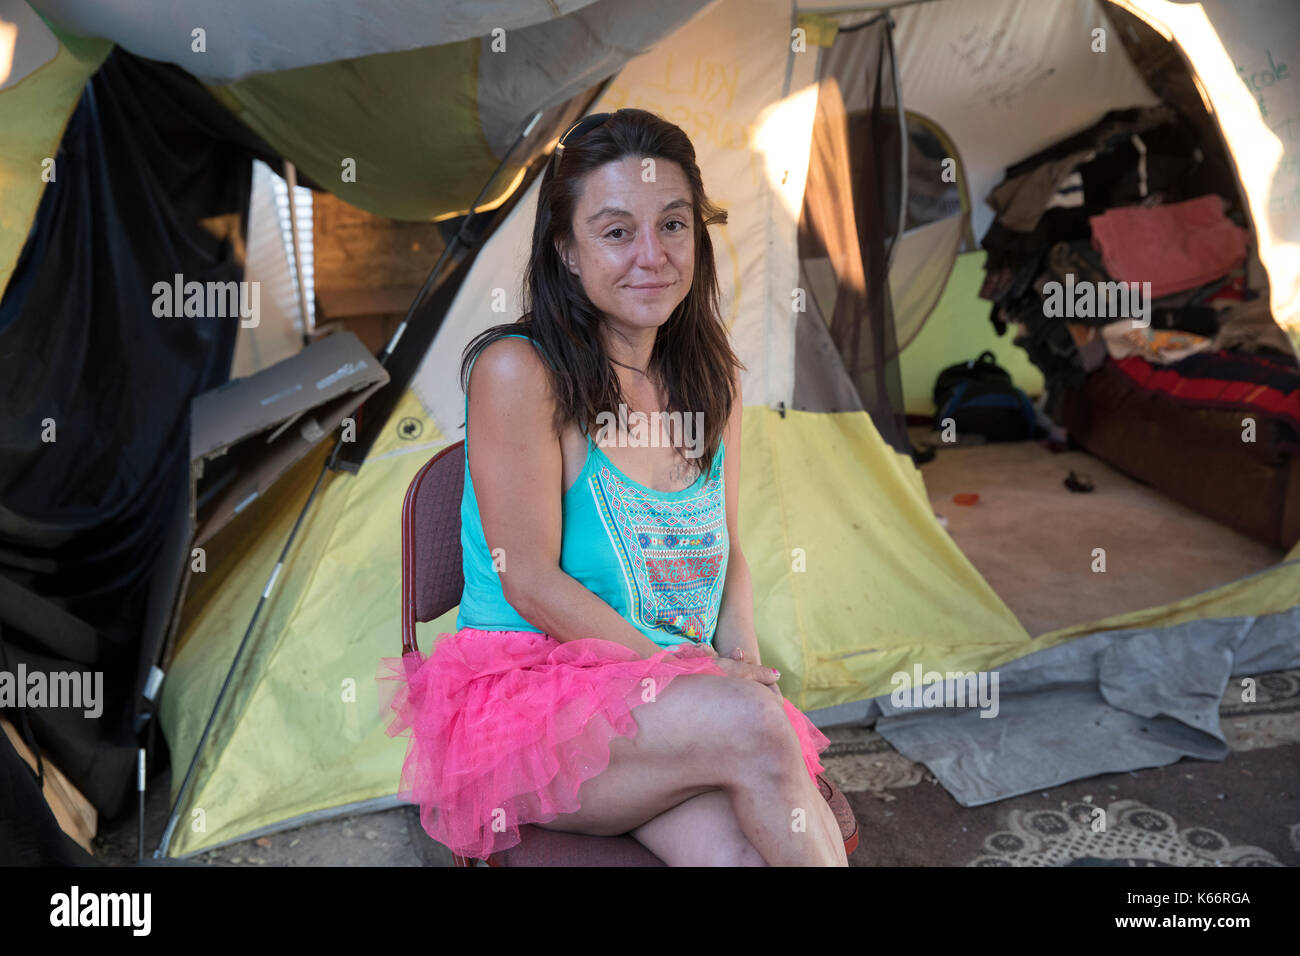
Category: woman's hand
[737,666]
[739,655]
[742,669]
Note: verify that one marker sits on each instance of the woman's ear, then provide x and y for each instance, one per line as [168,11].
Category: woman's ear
[567,259]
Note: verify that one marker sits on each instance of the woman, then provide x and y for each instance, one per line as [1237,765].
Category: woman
[605,676]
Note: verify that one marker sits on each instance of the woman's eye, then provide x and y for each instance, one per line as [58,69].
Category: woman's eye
[610,234]
[676,222]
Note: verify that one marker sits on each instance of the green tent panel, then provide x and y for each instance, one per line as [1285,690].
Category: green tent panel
[33,113]
[425,161]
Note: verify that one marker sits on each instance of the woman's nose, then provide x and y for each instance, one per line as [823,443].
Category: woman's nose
[650,248]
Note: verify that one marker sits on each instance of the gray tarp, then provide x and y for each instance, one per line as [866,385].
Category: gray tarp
[1106,703]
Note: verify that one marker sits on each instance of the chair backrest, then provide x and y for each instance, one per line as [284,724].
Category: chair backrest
[432,575]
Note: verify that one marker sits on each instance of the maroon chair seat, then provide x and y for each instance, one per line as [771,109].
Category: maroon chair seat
[539,847]
[432,582]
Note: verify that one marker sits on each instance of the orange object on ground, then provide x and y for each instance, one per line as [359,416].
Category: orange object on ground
[965,498]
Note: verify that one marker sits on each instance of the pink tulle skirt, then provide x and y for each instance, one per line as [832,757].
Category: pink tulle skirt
[504,727]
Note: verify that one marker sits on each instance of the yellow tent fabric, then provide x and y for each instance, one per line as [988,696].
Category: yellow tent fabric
[301,731]
[1269,591]
[33,114]
[835,524]
[840,537]
[854,580]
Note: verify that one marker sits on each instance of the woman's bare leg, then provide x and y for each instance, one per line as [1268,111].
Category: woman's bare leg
[706,732]
[785,820]
[704,831]
[701,831]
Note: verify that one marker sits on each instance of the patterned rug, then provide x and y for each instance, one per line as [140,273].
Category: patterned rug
[1242,811]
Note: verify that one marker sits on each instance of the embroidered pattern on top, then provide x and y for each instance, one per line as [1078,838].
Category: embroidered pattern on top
[673,551]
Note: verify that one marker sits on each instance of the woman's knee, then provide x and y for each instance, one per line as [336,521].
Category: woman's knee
[724,724]
[763,729]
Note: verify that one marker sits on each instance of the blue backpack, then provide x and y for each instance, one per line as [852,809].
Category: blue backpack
[980,397]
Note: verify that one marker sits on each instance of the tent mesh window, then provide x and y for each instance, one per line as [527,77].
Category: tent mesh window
[846,352]
[933,191]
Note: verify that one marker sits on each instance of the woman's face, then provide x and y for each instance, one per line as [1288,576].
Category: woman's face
[634,241]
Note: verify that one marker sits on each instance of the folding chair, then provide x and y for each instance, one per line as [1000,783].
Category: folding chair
[432,582]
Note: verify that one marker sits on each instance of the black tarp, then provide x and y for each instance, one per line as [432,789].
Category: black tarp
[92,524]
[29,833]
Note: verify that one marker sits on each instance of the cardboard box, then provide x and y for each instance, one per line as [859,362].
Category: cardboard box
[247,433]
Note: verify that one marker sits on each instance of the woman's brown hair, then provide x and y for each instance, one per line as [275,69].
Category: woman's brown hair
[692,356]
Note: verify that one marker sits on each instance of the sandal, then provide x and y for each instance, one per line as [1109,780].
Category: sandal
[1079,483]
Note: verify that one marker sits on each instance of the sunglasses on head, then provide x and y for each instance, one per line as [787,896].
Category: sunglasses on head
[581,129]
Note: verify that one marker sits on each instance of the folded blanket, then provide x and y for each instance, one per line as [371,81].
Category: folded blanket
[1221,379]
[1173,247]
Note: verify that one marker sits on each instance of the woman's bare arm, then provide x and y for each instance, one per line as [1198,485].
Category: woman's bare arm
[735,629]
[518,473]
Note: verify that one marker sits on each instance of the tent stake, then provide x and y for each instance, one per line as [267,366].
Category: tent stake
[139,788]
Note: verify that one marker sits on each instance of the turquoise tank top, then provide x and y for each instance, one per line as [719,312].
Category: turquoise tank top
[658,558]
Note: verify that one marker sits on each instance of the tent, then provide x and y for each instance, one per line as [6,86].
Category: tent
[854,579]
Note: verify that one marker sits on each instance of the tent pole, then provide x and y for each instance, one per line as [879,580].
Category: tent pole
[333,463]
[173,816]
[902,129]
[437,266]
